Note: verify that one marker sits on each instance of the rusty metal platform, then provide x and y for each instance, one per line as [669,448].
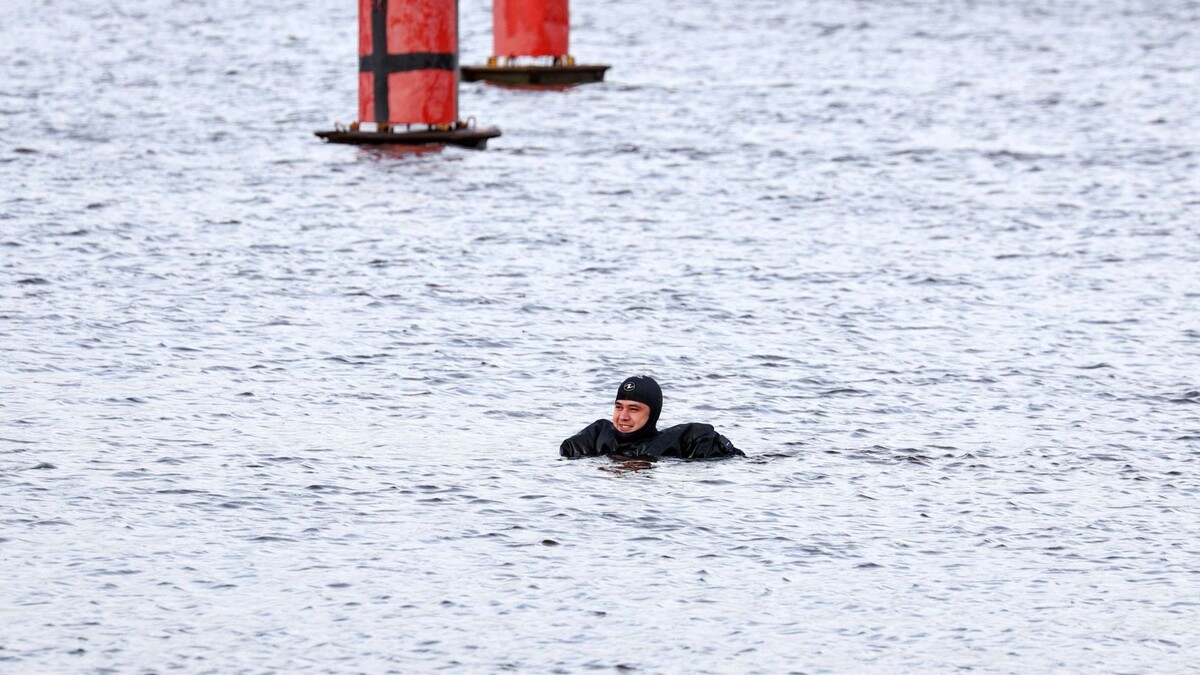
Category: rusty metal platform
[553,75]
[468,138]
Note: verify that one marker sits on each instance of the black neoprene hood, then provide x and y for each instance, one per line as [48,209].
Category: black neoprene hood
[643,389]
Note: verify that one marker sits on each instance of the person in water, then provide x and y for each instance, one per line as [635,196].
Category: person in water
[633,431]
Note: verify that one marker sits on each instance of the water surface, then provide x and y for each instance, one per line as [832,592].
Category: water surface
[273,405]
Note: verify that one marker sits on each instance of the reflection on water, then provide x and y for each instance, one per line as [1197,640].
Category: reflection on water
[270,404]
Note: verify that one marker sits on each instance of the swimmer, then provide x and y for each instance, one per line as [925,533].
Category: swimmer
[633,432]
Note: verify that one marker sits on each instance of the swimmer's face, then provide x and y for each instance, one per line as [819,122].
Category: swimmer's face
[629,416]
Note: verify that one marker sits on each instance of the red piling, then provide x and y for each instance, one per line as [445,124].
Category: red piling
[408,74]
[530,28]
[533,29]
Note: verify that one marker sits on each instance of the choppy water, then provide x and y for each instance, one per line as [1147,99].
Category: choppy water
[273,405]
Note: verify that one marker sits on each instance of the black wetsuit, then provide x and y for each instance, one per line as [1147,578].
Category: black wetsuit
[689,441]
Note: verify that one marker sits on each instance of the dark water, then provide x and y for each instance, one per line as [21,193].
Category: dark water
[272,405]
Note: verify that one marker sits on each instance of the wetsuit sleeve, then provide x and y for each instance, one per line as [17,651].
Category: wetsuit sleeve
[701,441]
[690,441]
[586,443]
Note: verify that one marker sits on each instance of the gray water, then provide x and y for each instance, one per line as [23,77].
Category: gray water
[269,405]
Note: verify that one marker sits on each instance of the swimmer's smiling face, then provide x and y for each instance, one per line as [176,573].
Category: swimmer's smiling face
[629,416]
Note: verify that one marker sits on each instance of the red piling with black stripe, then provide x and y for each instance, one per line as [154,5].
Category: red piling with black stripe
[408,55]
[408,75]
